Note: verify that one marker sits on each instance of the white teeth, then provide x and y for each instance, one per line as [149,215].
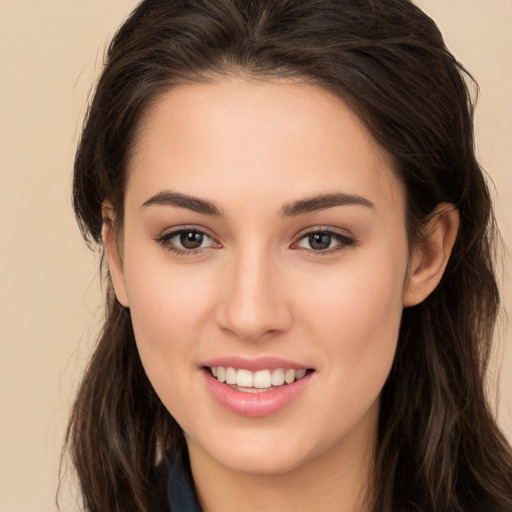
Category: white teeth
[278,377]
[289,376]
[299,374]
[262,379]
[244,379]
[230,376]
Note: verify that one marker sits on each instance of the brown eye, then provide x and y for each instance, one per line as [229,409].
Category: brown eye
[320,241]
[186,241]
[323,242]
[191,239]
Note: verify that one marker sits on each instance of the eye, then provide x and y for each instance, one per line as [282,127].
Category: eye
[189,239]
[323,241]
[186,241]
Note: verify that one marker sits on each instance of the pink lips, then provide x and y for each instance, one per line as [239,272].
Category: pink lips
[258,404]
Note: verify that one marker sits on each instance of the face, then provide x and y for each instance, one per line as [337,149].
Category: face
[264,245]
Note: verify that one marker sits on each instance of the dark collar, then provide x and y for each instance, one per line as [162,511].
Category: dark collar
[182,497]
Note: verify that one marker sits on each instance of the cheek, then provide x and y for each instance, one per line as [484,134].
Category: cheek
[369,306]
[364,297]
[165,309]
[168,306]
[356,326]
[163,296]
[356,315]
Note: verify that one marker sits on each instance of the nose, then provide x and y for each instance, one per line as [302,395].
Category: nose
[255,304]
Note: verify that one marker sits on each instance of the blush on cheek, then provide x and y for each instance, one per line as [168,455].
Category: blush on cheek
[365,304]
[166,316]
[159,301]
[365,334]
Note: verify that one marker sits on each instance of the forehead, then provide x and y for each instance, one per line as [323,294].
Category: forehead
[238,137]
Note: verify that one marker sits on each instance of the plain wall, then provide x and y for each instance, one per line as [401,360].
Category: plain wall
[50,300]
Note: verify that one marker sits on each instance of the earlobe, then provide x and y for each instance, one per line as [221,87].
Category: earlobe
[114,260]
[430,257]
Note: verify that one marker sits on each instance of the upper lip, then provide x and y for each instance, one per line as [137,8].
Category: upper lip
[254,364]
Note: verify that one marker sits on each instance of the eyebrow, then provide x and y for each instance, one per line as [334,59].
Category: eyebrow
[308,205]
[323,202]
[170,198]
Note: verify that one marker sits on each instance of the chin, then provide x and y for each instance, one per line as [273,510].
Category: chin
[261,463]
[258,454]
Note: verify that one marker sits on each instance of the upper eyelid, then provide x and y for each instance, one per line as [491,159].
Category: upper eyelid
[164,240]
[170,232]
[344,239]
[337,236]
[323,229]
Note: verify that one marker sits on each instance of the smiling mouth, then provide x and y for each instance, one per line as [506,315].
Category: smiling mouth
[256,382]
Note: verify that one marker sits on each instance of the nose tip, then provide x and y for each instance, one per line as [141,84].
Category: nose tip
[255,306]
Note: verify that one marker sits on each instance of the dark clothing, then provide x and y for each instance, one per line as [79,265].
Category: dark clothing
[180,487]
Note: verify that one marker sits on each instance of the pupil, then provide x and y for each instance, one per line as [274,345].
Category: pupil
[191,240]
[320,241]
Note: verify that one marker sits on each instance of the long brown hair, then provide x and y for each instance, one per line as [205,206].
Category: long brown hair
[438,447]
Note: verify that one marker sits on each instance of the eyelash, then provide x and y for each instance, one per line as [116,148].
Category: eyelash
[342,241]
[164,240]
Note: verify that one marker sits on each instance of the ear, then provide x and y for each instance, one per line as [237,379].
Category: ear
[114,260]
[430,257]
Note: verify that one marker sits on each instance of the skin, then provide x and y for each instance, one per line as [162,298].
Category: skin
[256,287]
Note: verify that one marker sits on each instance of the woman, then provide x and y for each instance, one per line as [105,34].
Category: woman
[301,294]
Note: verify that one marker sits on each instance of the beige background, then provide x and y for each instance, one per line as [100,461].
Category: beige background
[50,302]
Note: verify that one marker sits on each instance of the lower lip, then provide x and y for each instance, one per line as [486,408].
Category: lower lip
[255,405]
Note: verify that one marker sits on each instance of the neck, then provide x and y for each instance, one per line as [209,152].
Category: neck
[337,481]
